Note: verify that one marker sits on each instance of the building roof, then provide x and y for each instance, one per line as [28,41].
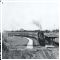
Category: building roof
[51,35]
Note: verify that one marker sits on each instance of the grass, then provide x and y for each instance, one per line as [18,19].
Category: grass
[12,49]
[41,53]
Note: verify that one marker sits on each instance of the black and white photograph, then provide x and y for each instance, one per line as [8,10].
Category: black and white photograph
[30,29]
[0,29]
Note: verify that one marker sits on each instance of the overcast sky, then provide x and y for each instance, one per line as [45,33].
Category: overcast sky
[17,15]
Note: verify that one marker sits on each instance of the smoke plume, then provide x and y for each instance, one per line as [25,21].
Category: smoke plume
[37,24]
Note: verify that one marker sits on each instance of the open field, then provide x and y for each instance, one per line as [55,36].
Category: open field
[15,48]
[36,53]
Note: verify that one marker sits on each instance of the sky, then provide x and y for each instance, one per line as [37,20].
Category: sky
[21,15]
